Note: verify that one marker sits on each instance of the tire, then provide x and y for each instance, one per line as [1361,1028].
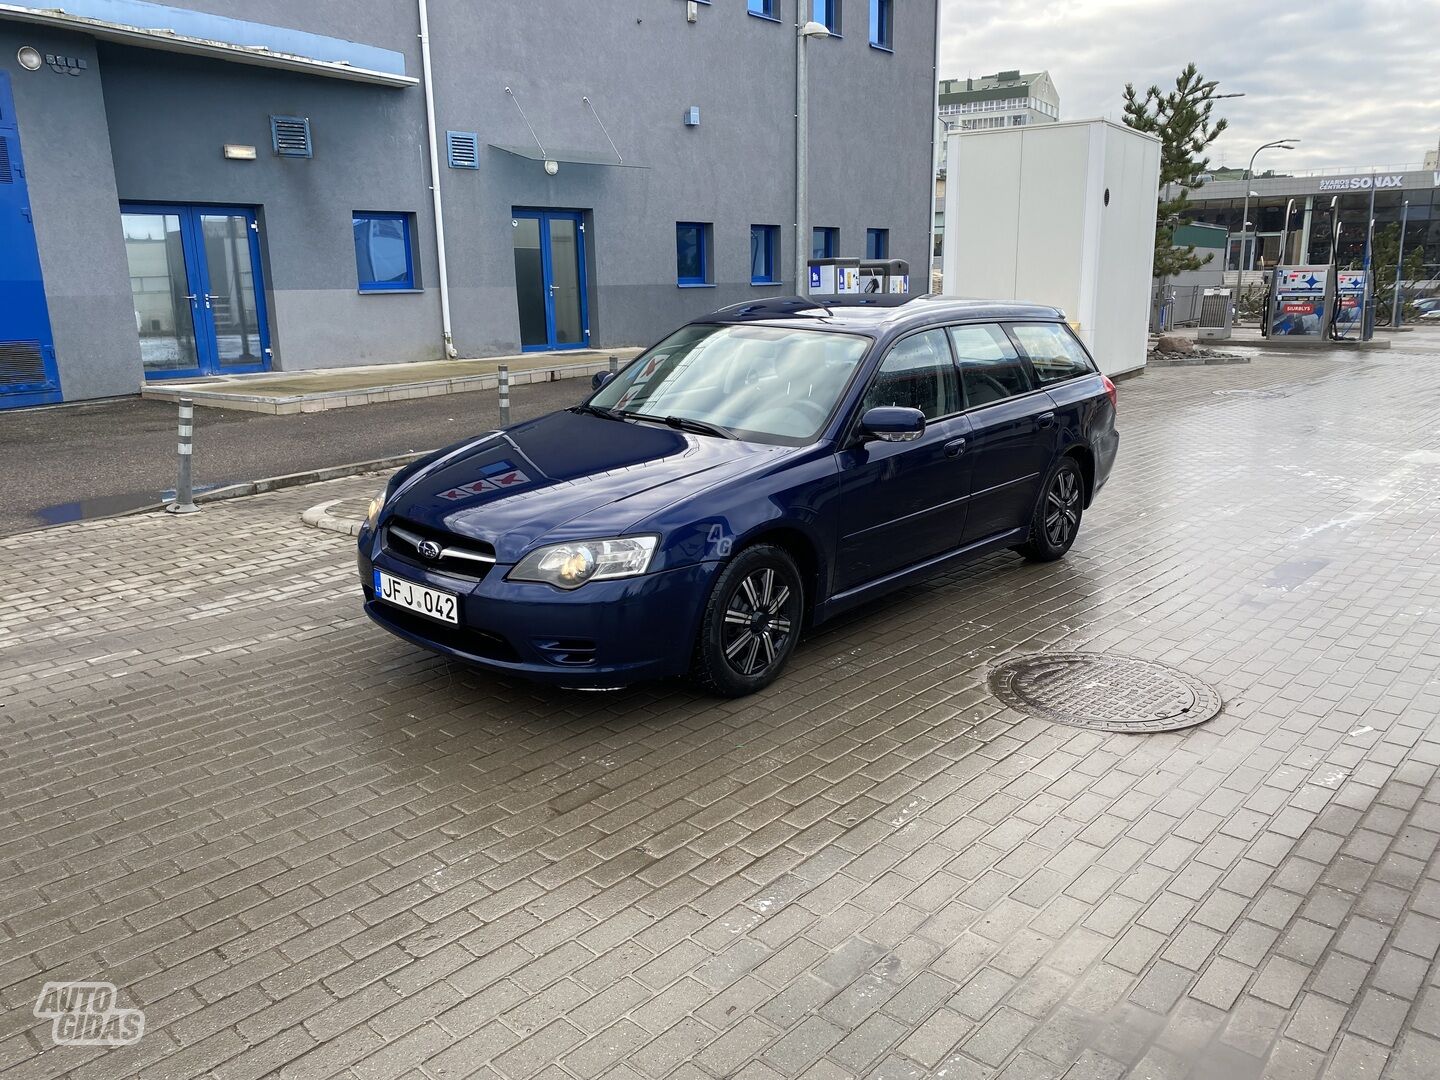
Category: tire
[751,623]
[1055,521]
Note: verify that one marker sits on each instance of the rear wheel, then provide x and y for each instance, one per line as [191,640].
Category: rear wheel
[751,623]
[1056,520]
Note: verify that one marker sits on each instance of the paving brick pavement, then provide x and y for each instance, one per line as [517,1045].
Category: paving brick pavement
[306,849]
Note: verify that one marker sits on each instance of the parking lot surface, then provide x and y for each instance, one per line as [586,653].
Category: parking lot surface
[306,849]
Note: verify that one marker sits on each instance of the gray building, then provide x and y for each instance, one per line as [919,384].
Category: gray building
[1387,194]
[212,187]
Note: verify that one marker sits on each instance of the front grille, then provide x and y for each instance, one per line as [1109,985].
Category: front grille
[482,643]
[458,555]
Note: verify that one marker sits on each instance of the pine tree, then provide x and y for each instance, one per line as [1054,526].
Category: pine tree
[1181,120]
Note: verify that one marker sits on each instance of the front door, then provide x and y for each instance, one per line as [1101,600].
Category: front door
[550,288]
[196,282]
[27,354]
[904,502]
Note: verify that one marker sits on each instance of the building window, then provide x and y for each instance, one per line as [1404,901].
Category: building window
[384,256]
[877,243]
[827,14]
[692,252]
[764,254]
[824,243]
[882,24]
[766,9]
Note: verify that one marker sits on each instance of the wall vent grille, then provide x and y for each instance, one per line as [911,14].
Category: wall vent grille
[463,149]
[22,363]
[292,136]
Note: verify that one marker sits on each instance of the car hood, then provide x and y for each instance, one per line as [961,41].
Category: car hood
[567,476]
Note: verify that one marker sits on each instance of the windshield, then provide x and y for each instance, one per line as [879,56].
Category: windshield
[764,383]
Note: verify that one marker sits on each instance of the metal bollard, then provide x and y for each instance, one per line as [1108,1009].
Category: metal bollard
[504,386]
[184,497]
[614,364]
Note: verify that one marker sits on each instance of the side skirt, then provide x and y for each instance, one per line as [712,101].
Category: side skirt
[860,594]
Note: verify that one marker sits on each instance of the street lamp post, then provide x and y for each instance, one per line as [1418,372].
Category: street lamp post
[803,33]
[1399,263]
[1280,144]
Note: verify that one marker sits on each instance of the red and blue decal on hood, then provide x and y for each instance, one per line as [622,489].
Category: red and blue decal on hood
[499,476]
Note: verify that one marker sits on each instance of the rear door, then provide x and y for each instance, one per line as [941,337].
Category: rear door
[1064,371]
[1013,429]
[903,502]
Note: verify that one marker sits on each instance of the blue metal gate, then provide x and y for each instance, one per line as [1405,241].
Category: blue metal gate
[27,352]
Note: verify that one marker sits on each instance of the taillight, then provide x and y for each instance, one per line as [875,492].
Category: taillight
[1110,392]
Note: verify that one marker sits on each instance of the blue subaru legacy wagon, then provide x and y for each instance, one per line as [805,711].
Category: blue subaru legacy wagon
[759,471]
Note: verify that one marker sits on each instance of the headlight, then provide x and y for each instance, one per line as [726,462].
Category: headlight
[376,505]
[568,566]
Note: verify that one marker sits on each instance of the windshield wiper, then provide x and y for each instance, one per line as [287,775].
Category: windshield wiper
[704,427]
[597,410]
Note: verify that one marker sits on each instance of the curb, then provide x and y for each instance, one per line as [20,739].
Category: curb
[310,476]
[254,487]
[319,517]
[1197,361]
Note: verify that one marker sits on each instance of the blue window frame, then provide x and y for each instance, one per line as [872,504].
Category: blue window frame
[692,253]
[765,9]
[882,24]
[764,254]
[827,14]
[877,243]
[384,257]
[824,243]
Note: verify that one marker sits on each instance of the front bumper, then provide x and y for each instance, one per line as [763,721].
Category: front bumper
[602,635]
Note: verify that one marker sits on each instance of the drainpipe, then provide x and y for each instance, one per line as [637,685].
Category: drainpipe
[435,179]
[802,164]
[935,136]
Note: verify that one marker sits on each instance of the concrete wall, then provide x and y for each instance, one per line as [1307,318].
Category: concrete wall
[164,117]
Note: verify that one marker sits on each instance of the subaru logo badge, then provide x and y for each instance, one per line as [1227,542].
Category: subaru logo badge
[428,549]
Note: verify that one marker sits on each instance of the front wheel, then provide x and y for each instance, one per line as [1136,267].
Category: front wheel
[751,623]
[1056,520]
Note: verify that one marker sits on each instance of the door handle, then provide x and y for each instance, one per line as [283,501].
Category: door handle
[1045,419]
[955,447]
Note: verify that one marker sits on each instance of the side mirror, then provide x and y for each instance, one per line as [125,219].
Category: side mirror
[600,378]
[892,423]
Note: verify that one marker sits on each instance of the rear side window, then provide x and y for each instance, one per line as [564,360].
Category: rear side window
[917,374]
[990,368]
[1053,351]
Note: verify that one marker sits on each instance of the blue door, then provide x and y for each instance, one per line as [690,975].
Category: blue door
[197,285]
[550,287]
[27,351]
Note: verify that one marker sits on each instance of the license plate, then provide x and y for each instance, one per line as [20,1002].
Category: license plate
[441,606]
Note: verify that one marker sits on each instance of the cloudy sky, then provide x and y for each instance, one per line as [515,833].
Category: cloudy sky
[1357,81]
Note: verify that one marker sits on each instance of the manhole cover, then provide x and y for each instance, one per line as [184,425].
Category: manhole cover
[1103,692]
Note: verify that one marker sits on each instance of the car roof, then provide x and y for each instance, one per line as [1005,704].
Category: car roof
[876,314]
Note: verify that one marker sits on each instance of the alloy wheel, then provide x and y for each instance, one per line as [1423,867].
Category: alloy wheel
[758,622]
[1062,508]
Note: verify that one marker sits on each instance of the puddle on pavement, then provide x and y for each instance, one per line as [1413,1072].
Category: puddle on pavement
[1291,575]
[106,505]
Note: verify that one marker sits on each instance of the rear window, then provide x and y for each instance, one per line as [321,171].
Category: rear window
[990,368]
[1053,351]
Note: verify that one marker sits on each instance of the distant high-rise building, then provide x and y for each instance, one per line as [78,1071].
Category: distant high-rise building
[1005,99]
